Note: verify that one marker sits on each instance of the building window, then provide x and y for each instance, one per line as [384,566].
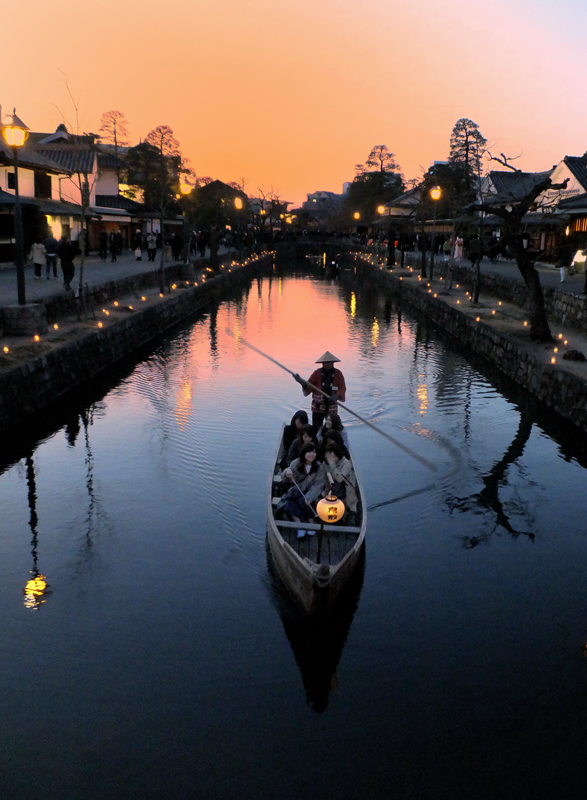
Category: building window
[42,186]
[11,180]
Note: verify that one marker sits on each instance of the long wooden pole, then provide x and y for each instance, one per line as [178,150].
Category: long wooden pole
[406,450]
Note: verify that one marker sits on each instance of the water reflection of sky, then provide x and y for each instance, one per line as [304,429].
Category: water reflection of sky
[144,514]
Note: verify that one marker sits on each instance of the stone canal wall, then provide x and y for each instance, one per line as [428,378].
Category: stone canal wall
[32,386]
[558,386]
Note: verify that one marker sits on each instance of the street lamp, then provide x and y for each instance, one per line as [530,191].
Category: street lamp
[381,212]
[435,195]
[185,189]
[238,204]
[15,136]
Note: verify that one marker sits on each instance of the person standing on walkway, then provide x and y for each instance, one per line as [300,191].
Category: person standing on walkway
[565,259]
[51,245]
[458,254]
[38,257]
[103,245]
[113,245]
[138,244]
[66,253]
[475,251]
[329,380]
[151,246]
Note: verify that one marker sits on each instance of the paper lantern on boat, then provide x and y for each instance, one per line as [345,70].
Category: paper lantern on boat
[330,509]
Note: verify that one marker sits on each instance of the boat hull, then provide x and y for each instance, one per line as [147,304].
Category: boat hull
[315,584]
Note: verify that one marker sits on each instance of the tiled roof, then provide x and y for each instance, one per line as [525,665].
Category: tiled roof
[28,157]
[576,165]
[515,185]
[571,203]
[7,199]
[117,201]
[109,160]
[70,157]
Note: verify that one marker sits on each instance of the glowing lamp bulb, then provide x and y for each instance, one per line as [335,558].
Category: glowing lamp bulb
[116,302]
[553,360]
[100,325]
[56,327]
[556,349]
[143,298]
[525,323]
[477,319]
[6,350]
[330,509]
[37,337]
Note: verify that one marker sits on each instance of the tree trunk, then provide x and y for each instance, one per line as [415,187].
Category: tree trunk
[539,327]
[82,242]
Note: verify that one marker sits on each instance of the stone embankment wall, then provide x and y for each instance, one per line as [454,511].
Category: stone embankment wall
[32,386]
[568,309]
[558,388]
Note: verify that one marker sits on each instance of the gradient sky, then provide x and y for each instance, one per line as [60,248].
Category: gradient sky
[291,95]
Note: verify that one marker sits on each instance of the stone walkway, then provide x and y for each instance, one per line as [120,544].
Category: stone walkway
[96,272]
[549,276]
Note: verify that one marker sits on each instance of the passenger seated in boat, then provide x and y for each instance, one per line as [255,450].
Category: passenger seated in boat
[335,436]
[306,436]
[298,421]
[342,473]
[333,422]
[309,475]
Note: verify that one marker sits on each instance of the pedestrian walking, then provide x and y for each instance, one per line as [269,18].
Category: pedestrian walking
[66,253]
[51,245]
[37,256]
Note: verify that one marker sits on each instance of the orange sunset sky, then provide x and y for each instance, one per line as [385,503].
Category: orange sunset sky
[291,95]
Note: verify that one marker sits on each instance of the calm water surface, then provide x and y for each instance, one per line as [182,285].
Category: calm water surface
[163,659]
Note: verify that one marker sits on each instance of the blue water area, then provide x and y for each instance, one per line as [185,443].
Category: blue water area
[148,649]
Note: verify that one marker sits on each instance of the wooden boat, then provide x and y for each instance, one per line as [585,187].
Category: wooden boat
[317,568]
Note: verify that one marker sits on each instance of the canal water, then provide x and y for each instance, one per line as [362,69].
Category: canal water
[147,648]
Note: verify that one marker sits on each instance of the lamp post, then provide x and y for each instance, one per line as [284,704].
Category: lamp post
[238,204]
[15,136]
[435,194]
[381,212]
[185,189]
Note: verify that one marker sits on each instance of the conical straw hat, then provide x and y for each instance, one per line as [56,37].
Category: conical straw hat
[326,357]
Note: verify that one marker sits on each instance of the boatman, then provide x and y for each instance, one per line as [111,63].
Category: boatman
[331,381]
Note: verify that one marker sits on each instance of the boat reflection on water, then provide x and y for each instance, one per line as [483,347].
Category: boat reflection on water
[317,642]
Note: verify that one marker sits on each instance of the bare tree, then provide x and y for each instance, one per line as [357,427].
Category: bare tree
[164,141]
[84,177]
[113,129]
[511,216]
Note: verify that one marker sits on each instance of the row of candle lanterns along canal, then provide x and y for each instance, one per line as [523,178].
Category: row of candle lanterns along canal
[368,257]
[116,305]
